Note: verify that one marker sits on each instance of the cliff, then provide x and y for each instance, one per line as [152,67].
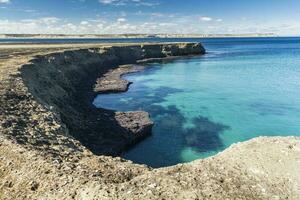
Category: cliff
[54,143]
[64,82]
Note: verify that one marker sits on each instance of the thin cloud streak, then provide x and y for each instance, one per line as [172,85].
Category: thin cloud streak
[127,2]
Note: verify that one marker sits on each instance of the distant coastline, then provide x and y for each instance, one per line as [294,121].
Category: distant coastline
[106,36]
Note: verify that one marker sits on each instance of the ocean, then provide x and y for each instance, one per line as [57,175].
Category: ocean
[241,89]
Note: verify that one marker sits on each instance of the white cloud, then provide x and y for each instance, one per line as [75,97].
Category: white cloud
[167,24]
[49,20]
[126,2]
[219,20]
[121,20]
[162,15]
[4,1]
[157,14]
[108,1]
[176,25]
[84,22]
[205,19]
[44,20]
[141,3]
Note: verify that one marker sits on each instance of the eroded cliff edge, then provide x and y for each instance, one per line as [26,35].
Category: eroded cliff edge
[45,146]
[65,82]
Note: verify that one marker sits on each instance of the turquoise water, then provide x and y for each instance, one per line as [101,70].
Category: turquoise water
[237,91]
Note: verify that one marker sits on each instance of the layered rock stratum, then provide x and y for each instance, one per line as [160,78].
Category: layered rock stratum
[54,144]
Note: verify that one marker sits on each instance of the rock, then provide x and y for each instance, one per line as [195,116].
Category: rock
[112,82]
[137,123]
[34,186]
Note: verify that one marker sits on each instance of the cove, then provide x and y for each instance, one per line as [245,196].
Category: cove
[239,90]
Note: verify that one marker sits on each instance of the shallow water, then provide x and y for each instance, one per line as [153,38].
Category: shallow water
[240,90]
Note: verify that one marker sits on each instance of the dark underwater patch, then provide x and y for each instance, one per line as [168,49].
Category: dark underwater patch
[205,135]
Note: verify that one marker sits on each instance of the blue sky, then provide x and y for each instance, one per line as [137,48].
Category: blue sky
[150,16]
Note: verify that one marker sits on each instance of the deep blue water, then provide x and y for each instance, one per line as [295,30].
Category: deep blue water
[241,89]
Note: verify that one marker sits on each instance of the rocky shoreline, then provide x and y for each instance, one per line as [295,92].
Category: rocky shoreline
[53,140]
[69,91]
[111,82]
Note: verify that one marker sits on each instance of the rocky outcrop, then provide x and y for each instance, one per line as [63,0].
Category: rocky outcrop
[137,123]
[112,82]
[65,80]
[50,131]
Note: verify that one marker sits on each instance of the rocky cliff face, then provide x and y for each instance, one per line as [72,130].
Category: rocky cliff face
[50,134]
[64,82]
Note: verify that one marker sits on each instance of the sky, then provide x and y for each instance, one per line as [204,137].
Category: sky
[281,17]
